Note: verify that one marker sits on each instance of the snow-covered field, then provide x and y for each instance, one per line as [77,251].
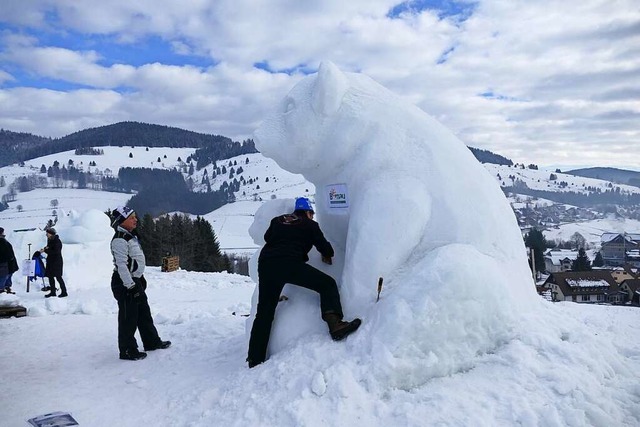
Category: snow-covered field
[577,366]
[539,179]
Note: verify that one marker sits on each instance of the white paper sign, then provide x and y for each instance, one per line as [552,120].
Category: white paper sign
[28,267]
[337,197]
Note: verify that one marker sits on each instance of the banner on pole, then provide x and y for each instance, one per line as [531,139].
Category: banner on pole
[337,198]
[28,267]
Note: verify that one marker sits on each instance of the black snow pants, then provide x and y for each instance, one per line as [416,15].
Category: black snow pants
[273,275]
[133,314]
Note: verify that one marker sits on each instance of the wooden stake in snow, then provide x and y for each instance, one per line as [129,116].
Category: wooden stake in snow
[379,288]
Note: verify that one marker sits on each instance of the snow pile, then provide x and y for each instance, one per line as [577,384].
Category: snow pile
[446,242]
[85,238]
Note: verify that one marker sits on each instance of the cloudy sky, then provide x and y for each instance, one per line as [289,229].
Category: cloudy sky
[546,81]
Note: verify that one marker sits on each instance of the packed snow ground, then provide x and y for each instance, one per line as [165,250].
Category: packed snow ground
[569,365]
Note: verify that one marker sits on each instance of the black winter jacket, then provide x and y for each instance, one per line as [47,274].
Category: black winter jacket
[54,257]
[290,237]
[8,262]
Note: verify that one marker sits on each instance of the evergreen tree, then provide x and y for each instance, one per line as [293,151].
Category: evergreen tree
[43,169]
[598,260]
[535,240]
[82,180]
[582,262]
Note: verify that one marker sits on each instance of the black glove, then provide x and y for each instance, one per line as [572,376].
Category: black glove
[135,292]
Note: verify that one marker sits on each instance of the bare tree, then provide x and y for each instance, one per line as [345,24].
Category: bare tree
[578,241]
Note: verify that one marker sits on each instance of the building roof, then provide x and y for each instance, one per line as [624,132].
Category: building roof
[633,284]
[630,237]
[583,282]
[556,256]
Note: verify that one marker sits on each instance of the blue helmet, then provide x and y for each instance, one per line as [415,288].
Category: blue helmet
[303,204]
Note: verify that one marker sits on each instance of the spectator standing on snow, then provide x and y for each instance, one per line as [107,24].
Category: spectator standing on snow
[128,286]
[8,263]
[53,270]
[283,259]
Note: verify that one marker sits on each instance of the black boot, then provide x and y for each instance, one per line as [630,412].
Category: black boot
[132,355]
[160,346]
[253,363]
[63,288]
[339,329]
[52,293]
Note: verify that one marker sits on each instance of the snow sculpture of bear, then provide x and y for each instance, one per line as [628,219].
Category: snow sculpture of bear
[423,213]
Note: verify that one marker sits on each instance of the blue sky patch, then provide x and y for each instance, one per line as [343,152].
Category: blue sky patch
[300,68]
[492,95]
[445,55]
[458,10]
[146,51]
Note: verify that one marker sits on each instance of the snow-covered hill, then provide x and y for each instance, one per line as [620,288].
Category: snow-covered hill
[231,221]
[540,179]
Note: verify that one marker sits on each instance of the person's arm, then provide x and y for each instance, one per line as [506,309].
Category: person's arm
[53,248]
[269,233]
[322,244]
[120,251]
[13,262]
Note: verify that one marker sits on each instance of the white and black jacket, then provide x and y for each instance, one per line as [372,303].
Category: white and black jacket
[128,258]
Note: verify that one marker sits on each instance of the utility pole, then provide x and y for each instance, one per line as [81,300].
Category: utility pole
[533,265]
[28,257]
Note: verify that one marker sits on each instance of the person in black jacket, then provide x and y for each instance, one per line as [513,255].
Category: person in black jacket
[283,259]
[8,263]
[53,269]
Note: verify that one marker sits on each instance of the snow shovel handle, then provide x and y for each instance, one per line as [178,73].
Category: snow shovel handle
[379,288]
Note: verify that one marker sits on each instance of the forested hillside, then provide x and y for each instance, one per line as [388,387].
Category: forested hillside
[620,176]
[485,156]
[17,147]
[14,145]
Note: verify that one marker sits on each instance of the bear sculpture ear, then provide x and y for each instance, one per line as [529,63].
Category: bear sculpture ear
[329,89]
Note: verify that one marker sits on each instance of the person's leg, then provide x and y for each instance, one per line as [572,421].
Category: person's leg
[148,332]
[3,281]
[63,287]
[127,324]
[52,287]
[309,277]
[269,289]
[127,320]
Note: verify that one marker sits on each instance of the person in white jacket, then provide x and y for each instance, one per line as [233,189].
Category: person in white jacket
[128,286]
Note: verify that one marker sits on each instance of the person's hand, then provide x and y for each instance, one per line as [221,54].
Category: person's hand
[135,292]
[327,260]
